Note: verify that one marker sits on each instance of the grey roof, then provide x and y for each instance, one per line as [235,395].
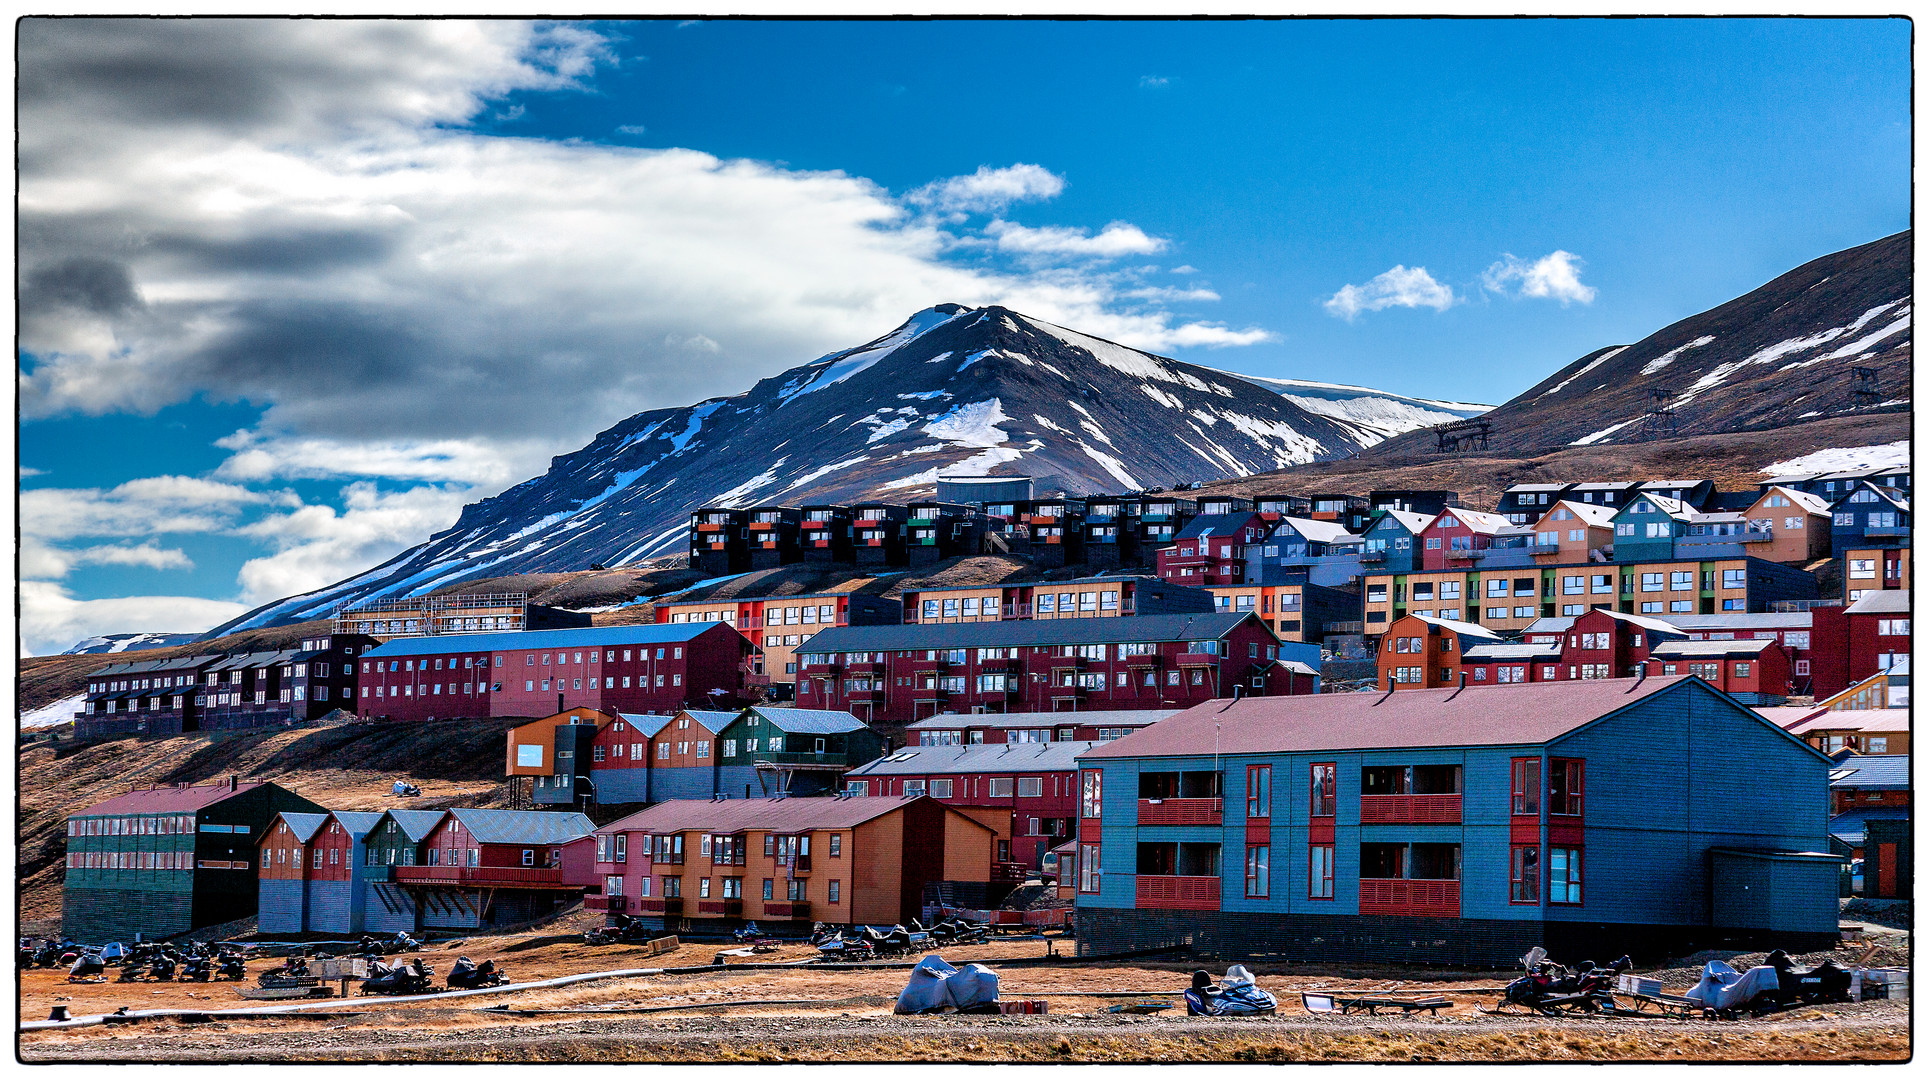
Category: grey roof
[1741,620]
[1320,532]
[809,721]
[253,659]
[711,720]
[991,635]
[358,822]
[645,723]
[1538,487]
[1407,519]
[1889,771]
[304,825]
[1216,524]
[1669,650]
[417,824]
[1547,651]
[523,826]
[1882,602]
[1550,624]
[525,640]
[978,758]
[1139,577]
[1082,718]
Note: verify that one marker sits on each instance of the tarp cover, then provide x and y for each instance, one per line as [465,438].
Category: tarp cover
[1721,987]
[936,986]
[1236,995]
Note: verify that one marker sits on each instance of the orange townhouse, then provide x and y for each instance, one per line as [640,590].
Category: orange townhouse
[1418,651]
[1573,533]
[1796,523]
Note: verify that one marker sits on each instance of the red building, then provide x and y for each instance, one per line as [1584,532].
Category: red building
[634,669]
[900,674]
[483,868]
[1852,643]
[1036,784]
[1086,725]
[1498,664]
[1756,672]
[1451,538]
[1212,549]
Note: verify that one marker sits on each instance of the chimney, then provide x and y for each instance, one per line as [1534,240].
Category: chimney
[1640,675]
[1389,690]
[1462,686]
[234,782]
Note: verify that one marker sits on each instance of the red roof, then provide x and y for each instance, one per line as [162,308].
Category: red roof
[166,800]
[775,815]
[1519,714]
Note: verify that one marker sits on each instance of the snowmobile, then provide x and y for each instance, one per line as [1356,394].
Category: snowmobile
[49,953]
[412,977]
[1825,982]
[292,972]
[846,950]
[195,969]
[229,965]
[621,930]
[1550,988]
[469,976]
[86,967]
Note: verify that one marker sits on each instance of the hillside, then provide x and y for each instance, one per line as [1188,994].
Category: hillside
[955,389]
[1782,354]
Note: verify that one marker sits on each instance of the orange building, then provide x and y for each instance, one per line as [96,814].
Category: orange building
[1423,653]
[1294,612]
[1572,533]
[1795,522]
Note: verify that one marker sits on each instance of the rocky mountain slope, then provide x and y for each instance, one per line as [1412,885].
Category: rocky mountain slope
[114,643]
[1781,354]
[1373,415]
[955,389]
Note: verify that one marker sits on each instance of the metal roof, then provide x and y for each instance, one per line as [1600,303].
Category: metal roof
[1322,532]
[711,720]
[1546,651]
[774,815]
[1518,714]
[417,824]
[978,759]
[1674,508]
[1477,520]
[523,826]
[1789,717]
[1536,487]
[809,721]
[1744,620]
[1878,771]
[1814,504]
[1464,629]
[1869,720]
[167,800]
[179,663]
[1082,718]
[991,635]
[1216,524]
[1096,579]
[1688,650]
[599,636]
[1853,825]
[358,822]
[1882,602]
[644,723]
[1408,520]
[1591,513]
[303,826]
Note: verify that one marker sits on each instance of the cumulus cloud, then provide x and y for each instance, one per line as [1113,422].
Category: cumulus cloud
[52,619]
[315,545]
[1556,276]
[483,463]
[1398,287]
[40,560]
[1115,240]
[989,190]
[151,506]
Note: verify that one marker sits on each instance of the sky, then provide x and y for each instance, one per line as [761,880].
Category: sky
[291,294]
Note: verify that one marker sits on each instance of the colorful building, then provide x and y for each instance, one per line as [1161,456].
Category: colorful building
[489,868]
[400,838]
[1301,611]
[554,754]
[1078,598]
[1086,725]
[778,625]
[1419,651]
[1454,538]
[1853,643]
[314,873]
[1211,550]
[1033,786]
[1572,533]
[1873,732]
[1440,826]
[1752,672]
[1870,517]
[1305,549]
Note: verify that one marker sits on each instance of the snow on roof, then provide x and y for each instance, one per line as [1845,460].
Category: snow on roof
[1320,532]
[1465,629]
[1412,522]
[978,758]
[1477,520]
[1591,513]
[1882,602]
[1814,504]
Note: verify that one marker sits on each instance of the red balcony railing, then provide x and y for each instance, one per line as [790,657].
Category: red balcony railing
[606,903]
[1409,896]
[1180,811]
[660,905]
[1198,659]
[787,909]
[1184,893]
[513,877]
[863,669]
[724,908]
[820,669]
[1409,809]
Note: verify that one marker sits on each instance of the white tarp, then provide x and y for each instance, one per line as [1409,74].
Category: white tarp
[936,986]
[1722,987]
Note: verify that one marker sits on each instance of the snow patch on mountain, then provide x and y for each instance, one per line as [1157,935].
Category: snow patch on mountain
[1838,459]
[1598,361]
[1668,357]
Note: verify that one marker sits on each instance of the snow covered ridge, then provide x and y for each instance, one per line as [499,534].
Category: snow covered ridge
[1879,456]
[952,389]
[1374,415]
[115,643]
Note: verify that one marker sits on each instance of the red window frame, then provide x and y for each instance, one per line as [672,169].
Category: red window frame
[1574,775]
[1259,791]
[1090,868]
[1328,804]
[1526,775]
[1518,880]
[1264,889]
[1091,794]
[1325,880]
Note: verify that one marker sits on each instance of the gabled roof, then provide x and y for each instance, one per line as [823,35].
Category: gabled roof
[710,720]
[1518,714]
[645,723]
[1590,513]
[990,635]
[1876,771]
[167,800]
[1882,602]
[777,815]
[1509,651]
[1081,718]
[1893,497]
[1477,520]
[1674,508]
[1464,629]
[1744,620]
[417,824]
[304,826]
[536,640]
[1535,488]
[809,721]
[1649,623]
[1814,504]
[357,822]
[1788,717]
[1607,485]
[978,758]
[1321,532]
[522,826]
[1876,721]
[1408,520]
[1216,524]
[1689,650]
[1852,826]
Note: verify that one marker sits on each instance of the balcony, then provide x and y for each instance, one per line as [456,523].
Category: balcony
[1886,531]
[1373,556]
[726,909]
[820,670]
[996,665]
[1182,893]
[606,903]
[1409,896]
[756,679]
[787,909]
[863,669]
[509,877]
[828,759]
[1180,812]
[1409,809]
[659,905]
[1198,659]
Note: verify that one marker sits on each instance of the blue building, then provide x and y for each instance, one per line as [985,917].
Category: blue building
[1306,549]
[1393,542]
[1594,817]
[1645,529]
[1870,517]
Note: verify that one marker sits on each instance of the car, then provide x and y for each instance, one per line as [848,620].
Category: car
[1855,876]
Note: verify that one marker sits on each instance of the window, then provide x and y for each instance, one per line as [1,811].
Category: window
[1524,875]
[1089,797]
[1564,787]
[1651,582]
[1030,787]
[1257,881]
[1564,875]
[1088,867]
[1324,789]
[913,787]
[1527,787]
[940,789]
[768,883]
[1861,568]
[1000,787]
[1734,579]
[1319,872]
[1259,793]
[528,856]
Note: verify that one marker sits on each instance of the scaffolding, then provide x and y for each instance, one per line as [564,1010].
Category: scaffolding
[448,613]
[1463,435]
[1659,421]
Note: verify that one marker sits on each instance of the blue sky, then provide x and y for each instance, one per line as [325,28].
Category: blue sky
[294,292]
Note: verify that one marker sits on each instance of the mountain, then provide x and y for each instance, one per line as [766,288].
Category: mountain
[954,389]
[1782,354]
[1373,415]
[115,643]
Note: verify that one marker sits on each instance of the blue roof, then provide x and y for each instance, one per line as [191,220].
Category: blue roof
[599,636]
[1852,826]
[712,720]
[417,824]
[1216,524]
[644,723]
[304,825]
[522,826]
[810,721]
[1871,771]
[358,822]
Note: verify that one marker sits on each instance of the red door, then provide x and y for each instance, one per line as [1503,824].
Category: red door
[1885,870]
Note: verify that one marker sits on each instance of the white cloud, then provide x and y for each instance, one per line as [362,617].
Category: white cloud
[1117,239]
[316,546]
[1556,276]
[989,190]
[1168,295]
[150,506]
[51,619]
[1398,287]
[39,560]
[1154,82]
[484,463]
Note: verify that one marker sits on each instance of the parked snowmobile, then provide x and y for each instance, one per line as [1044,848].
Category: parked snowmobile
[470,976]
[292,972]
[86,967]
[621,930]
[412,977]
[1824,982]
[1549,988]
[229,965]
[842,949]
[195,969]
[49,952]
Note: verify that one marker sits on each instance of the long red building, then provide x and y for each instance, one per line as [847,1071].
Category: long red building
[898,674]
[1036,783]
[651,668]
